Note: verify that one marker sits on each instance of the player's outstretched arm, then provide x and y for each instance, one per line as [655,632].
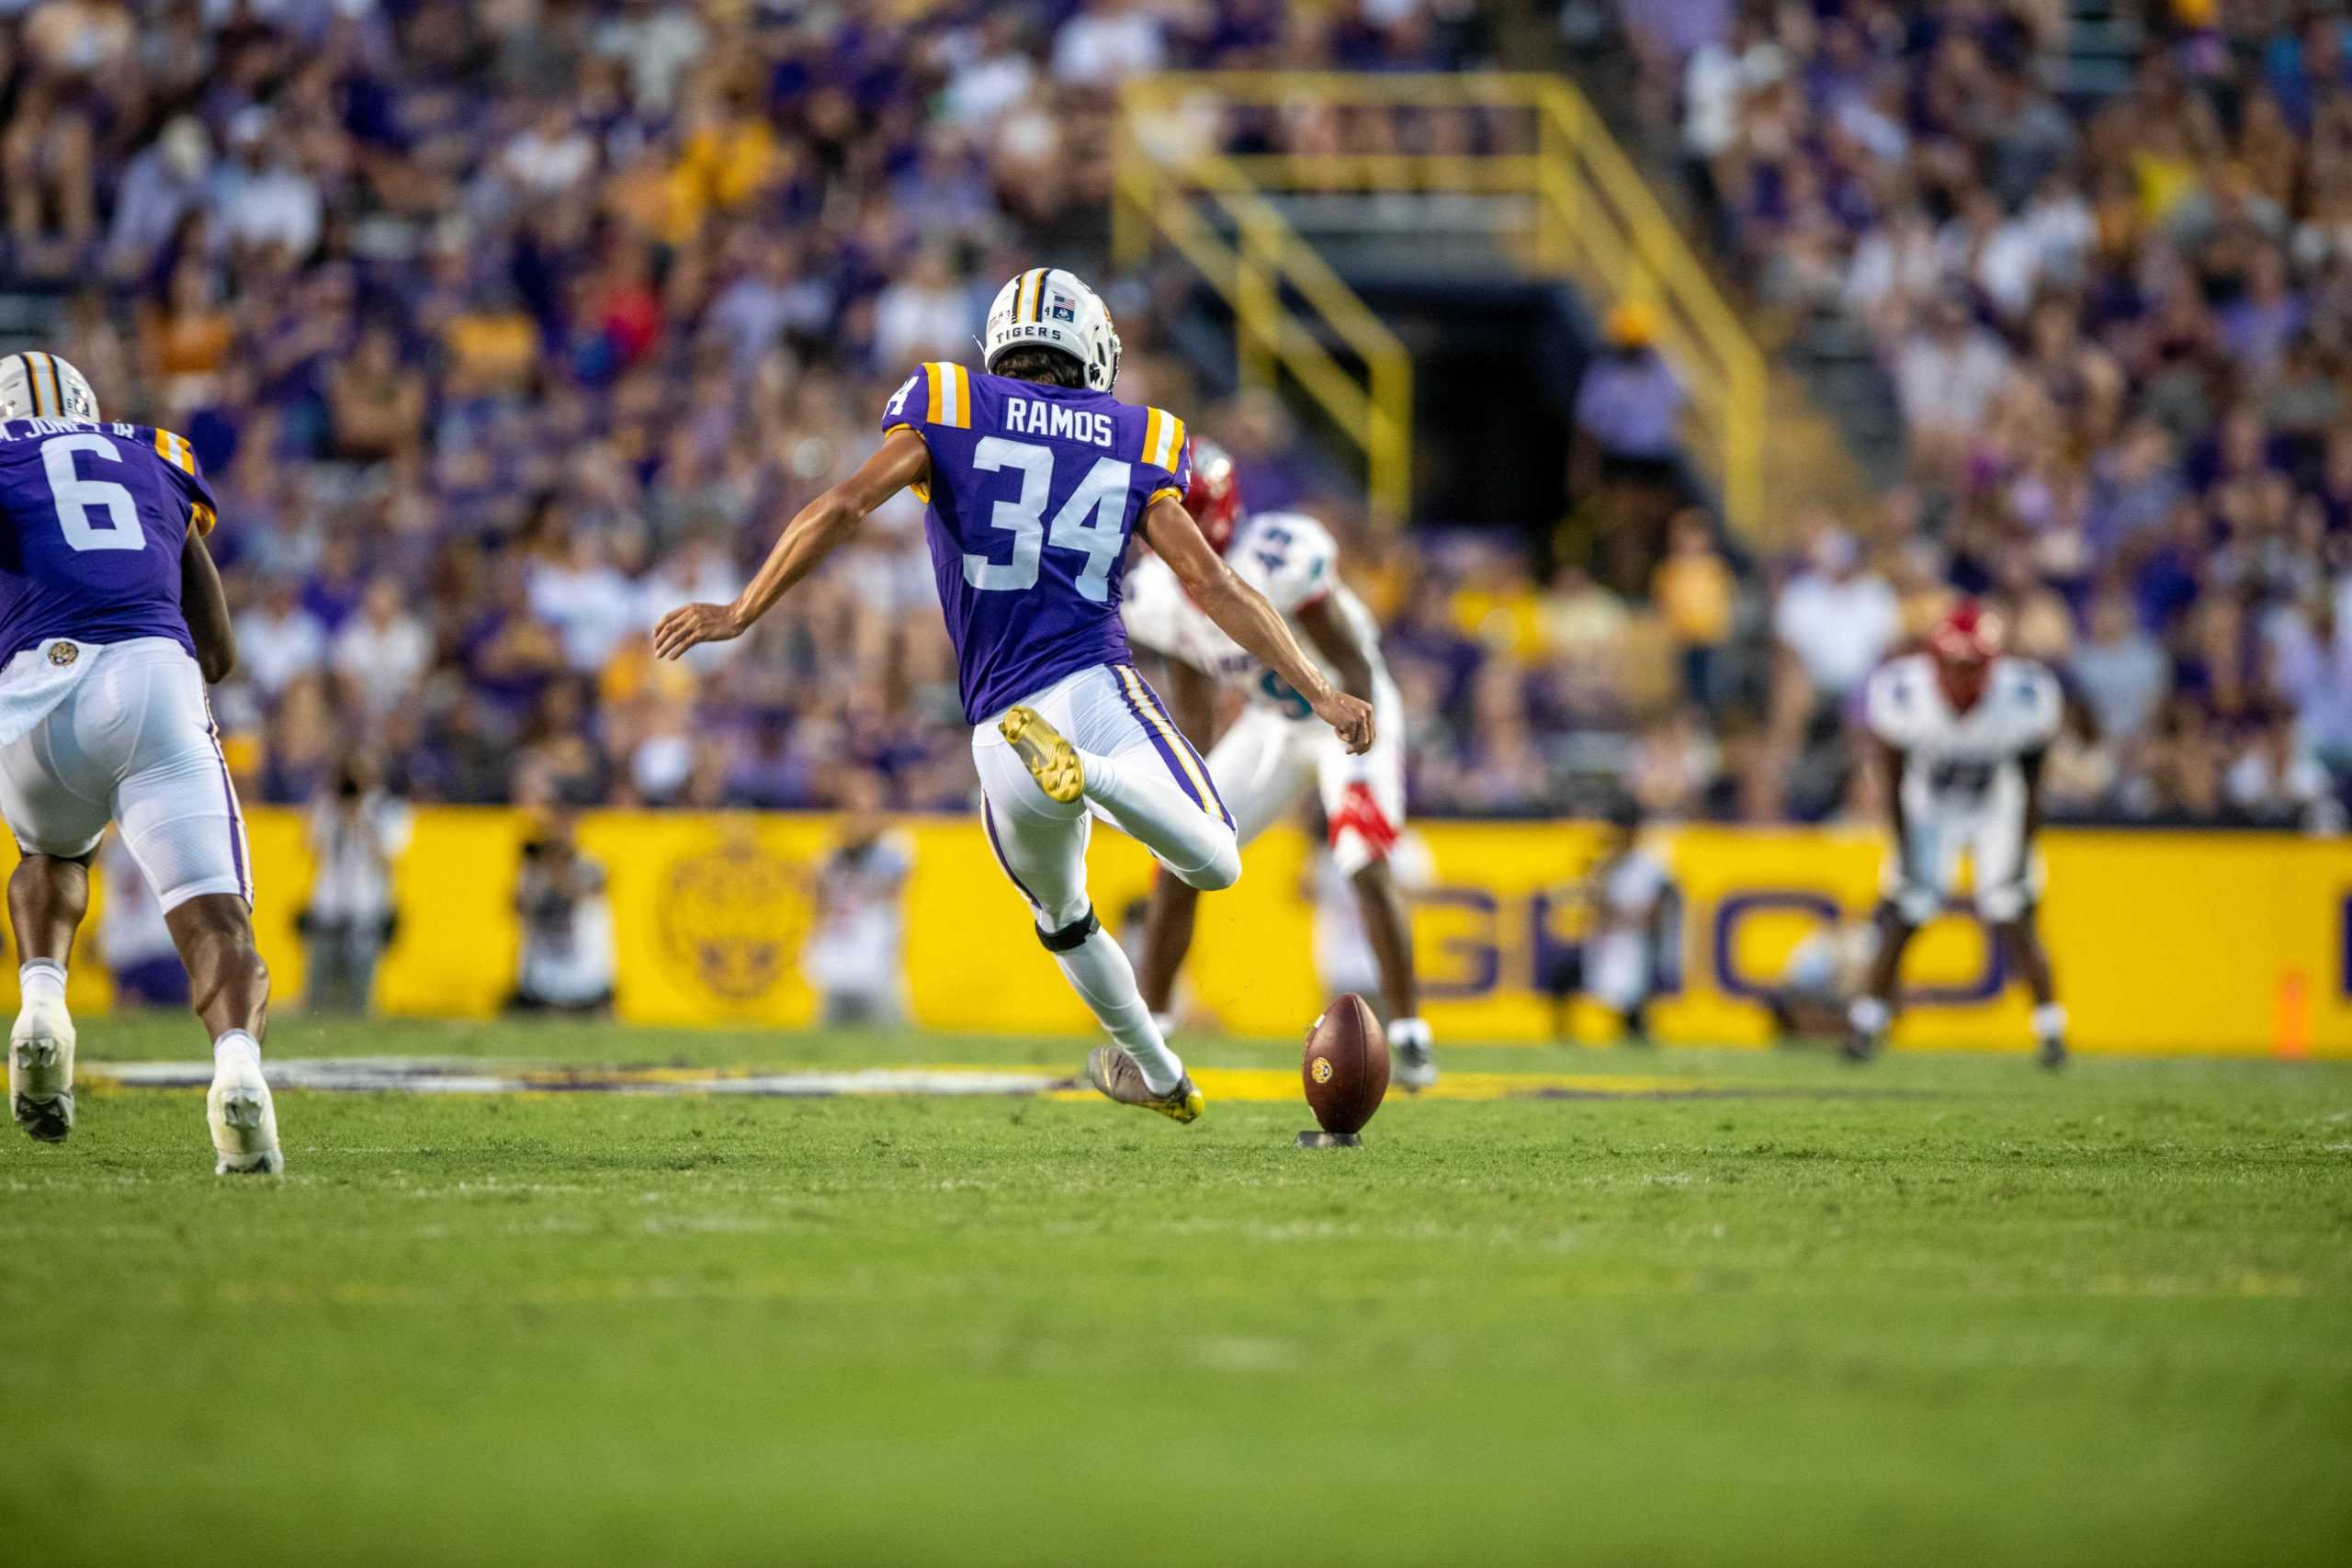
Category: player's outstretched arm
[1243,615]
[810,536]
[1340,643]
[204,604]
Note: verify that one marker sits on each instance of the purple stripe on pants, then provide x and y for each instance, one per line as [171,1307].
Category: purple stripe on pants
[1159,708]
[988,820]
[1159,743]
[229,793]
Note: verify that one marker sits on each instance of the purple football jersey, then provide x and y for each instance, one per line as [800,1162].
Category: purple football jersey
[93,519]
[1035,491]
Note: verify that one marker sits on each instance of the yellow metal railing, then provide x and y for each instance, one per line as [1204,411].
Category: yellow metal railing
[1257,270]
[1567,201]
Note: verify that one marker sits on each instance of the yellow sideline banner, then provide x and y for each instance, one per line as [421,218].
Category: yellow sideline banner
[2163,942]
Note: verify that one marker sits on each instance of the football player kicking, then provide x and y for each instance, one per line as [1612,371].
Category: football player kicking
[1276,749]
[112,621]
[1035,478]
[1962,731]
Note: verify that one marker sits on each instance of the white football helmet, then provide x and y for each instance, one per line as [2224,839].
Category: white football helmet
[37,385]
[1049,307]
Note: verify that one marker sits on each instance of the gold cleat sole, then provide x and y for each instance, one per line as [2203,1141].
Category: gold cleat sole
[1052,761]
[1115,1076]
[1185,1106]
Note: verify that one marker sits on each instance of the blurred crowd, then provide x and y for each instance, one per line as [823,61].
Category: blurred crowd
[2118,326]
[501,326]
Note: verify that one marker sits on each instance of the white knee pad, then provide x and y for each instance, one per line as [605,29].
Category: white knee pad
[1916,902]
[2008,902]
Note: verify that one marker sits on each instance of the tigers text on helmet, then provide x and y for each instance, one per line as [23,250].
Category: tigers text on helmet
[1213,498]
[34,384]
[1048,308]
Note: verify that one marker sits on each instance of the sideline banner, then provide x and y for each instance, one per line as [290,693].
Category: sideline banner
[2222,942]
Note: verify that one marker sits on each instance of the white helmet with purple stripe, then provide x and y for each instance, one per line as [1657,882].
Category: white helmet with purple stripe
[34,384]
[1048,308]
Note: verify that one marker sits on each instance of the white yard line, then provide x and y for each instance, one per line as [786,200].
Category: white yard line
[427,1075]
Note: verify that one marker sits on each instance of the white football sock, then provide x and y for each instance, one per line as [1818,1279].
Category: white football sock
[236,1039]
[2049,1021]
[1408,1031]
[1195,845]
[42,980]
[1869,1014]
[1099,971]
[1165,1022]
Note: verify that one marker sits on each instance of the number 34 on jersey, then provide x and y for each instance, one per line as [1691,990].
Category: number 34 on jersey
[1035,491]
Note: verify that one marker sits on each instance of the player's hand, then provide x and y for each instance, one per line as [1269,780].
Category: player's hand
[688,624]
[1351,718]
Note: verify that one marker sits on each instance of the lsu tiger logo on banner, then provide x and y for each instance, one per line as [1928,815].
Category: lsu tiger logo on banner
[2181,942]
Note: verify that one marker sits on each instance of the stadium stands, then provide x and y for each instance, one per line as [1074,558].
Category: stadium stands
[2090,255]
[503,326]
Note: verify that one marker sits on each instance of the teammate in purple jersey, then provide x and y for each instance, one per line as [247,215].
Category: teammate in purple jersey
[1037,478]
[112,621]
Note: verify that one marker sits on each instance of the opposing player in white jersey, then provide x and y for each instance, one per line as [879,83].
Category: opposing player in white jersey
[1962,731]
[1276,750]
[1037,479]
[111,621]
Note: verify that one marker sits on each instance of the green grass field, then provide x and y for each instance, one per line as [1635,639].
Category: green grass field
[1943,1309]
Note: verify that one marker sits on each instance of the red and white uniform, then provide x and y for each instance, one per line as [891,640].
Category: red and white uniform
[1278,746]
[1964,784]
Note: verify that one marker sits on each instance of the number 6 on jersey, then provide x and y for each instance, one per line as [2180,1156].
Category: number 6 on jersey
[77,497]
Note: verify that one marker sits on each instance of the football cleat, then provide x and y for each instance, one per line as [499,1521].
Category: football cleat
[1052,761]
[1861,1044]
[1113,1073]
[244,1122]
[1416,1064]
[2053,1054]
[40,1071]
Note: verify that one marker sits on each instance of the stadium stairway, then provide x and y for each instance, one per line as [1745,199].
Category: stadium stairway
[1836,438]
[1489,174]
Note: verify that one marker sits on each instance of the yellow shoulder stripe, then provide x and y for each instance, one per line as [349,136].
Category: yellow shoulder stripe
[174,451]
[1163,439]
[951,395]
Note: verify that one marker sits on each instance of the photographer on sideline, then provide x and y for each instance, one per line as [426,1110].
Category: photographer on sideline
[569,958]
[357,830]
